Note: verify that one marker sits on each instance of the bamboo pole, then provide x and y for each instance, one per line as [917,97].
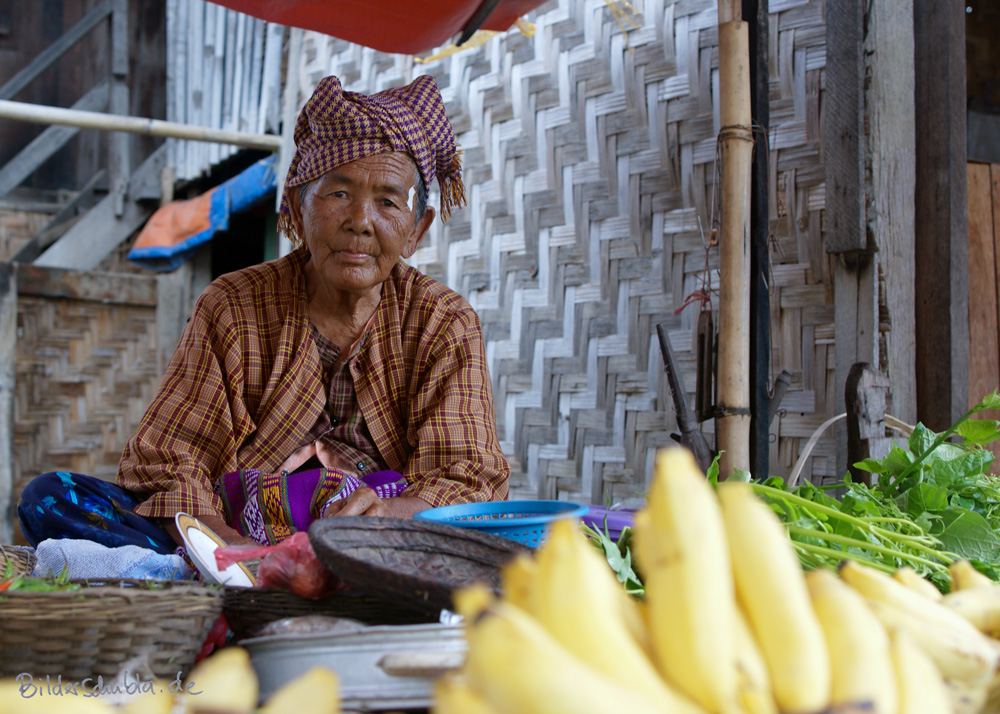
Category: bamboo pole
[736,143]
[39,114]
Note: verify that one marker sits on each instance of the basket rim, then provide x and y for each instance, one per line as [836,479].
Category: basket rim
[457,514]
[126,587]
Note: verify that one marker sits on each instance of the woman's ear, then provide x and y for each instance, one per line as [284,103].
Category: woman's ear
[418,232]
[294,195]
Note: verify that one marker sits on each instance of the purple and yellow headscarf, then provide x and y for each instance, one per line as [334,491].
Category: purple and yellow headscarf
[336,127]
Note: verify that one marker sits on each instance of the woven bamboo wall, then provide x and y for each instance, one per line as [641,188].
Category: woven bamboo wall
[590,163]
[85,371]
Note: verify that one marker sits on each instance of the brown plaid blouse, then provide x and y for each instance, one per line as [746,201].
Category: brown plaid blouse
[245,386]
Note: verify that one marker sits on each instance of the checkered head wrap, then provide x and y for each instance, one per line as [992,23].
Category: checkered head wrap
[336,127]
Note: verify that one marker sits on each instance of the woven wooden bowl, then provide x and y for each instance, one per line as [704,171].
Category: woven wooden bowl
[95,630]
[21,559]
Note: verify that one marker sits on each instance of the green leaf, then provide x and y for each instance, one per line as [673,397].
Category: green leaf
[713,470]
[873,466]
[950,472]
[968,535]
[924,497]
[921,439]
[897,461]
[740,475]
[979,432]
[990,401]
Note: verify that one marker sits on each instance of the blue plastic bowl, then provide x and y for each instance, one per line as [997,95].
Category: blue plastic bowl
[526,522]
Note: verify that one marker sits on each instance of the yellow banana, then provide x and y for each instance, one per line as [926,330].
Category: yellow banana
[753,681]
[680,546]
[517,579]
[470,601]
[860,660]
[519,669]
[913,580]
[315,692]
[876,585]
[453,695]
[226,681]
[979,605]
[580,604]
[965,699]
[921,689]
[772,590]
[961,654]
[965,577]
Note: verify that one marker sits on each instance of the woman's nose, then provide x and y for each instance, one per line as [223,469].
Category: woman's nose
[360,216]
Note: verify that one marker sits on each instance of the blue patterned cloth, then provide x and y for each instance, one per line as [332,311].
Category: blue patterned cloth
[60,504]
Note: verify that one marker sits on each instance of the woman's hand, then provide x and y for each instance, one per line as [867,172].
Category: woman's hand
[364,502]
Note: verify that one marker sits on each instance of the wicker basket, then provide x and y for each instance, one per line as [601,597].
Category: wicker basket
[249,609]
[95,630]
[22,560]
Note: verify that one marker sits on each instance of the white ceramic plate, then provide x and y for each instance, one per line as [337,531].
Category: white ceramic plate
[201,542]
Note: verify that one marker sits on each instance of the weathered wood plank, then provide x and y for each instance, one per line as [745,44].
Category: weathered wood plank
[856,329]
[49,142]
[891,136]
[55,50]
[942,273]
[865,397]
[117,288]
[984,339]
[85,245]
[119,163]
[8,355]
[843,141]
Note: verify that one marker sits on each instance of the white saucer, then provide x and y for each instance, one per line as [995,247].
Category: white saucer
[201,542]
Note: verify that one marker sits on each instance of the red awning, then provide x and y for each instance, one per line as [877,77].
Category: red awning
[400,26]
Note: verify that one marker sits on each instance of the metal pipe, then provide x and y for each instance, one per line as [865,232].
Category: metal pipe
[39,114]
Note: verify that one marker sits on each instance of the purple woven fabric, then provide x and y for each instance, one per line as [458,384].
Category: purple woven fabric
[271,507]
[336,127]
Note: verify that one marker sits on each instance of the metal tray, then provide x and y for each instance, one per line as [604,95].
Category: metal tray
[382,667]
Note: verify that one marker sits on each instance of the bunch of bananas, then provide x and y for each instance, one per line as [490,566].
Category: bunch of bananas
[224,683]
[730,624]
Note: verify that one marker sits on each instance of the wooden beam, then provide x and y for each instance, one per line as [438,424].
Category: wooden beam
[118,288]
[61,222]
[8,354]
[48,142]
[756,14]
[890,112]
[941,256]
[56,50]
[844,127]
[119,163]
[984,311]
[855,328]
[98,233]
[865,396]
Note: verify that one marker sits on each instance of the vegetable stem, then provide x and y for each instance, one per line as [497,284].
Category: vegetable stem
[846,540]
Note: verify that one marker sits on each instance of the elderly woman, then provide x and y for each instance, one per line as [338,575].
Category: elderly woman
[333,381]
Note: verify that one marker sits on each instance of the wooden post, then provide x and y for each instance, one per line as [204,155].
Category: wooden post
[119,163]
[756,12]
[865,395]
[942,272]
[8,355]
[736,140]
[891,146]
[173,291]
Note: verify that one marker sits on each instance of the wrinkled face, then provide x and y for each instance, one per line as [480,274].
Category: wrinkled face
[358,219]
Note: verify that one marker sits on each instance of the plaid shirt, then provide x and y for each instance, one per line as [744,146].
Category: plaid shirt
[245,385]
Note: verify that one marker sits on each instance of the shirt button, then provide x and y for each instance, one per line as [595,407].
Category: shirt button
[361,466]
[335,420]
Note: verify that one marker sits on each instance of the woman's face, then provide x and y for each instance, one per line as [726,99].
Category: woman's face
[359,219]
